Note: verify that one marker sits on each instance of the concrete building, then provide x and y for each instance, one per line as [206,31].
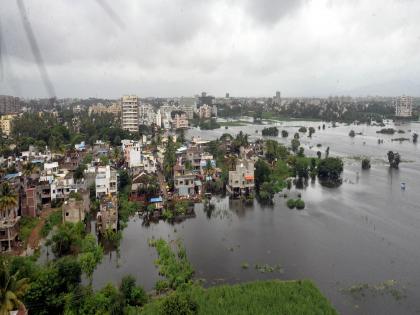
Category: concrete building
[130,113]
[241,180]
[205,111]
[180,121]
[158,118]
[188,110]
[107,216]
[404,106]
[105,181]
[183,181]
[205,99]
[73,211]
[114,109]
[6,123]
[9,104]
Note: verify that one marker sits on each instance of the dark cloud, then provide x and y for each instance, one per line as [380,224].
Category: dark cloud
[164,47]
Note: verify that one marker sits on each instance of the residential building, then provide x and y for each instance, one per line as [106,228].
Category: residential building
[61,187]
[158,118]
[130,113]
[188,110]
[6,124]
[404,106]
[105,181]
[10,104]
[241,180]
[30,200]
[74,210]
[99,108]
[205,99]
[180,121]
[183,181]
[107,216]
[205,111]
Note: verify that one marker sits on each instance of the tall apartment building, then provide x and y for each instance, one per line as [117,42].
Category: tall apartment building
[180,121]
[404,106]
[130,113]
[6,124]
[9,104]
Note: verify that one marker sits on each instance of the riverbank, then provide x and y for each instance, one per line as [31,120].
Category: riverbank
[259,297]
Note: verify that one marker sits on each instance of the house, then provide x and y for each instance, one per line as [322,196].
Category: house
[241,180]
[183,181]
[105,181]
[9,229]
[61,187]
[107,216]
[157,203]
[74,210]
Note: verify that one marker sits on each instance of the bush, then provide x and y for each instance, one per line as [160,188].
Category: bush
[365,164]
[300,204]
[27,224]
[291,203]
[178,304]
[284,133]
[302,129]
[53,219]
[270,131]
[352,133]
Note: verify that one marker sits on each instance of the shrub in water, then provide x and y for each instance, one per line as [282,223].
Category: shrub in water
[300,204]
[291,203]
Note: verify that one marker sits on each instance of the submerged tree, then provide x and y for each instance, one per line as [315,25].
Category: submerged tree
[394,159]
[415,136]
[366,164]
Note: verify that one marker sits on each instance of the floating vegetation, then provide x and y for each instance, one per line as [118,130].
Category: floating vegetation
[265,268]
[390,287]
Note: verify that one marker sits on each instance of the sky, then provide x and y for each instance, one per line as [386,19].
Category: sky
[164,48]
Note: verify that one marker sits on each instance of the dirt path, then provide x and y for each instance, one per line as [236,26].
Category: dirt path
[35,236]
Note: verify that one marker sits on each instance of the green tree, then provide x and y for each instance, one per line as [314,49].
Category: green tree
[12,288]
[262,173]
[330,169]
[133,295]
[394,159]
[295,144]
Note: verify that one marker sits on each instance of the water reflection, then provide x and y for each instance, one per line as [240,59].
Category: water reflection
[365,231]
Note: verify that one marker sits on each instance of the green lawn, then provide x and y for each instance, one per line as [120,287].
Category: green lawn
[260,297]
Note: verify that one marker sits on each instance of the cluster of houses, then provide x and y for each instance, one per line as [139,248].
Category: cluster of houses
[46,179]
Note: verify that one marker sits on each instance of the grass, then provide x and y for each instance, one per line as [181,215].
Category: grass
[27,224]
[260,297]
[55,218]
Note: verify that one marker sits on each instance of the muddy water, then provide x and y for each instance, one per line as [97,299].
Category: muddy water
[365,231]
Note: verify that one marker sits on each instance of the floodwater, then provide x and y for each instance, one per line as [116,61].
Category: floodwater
[366,231]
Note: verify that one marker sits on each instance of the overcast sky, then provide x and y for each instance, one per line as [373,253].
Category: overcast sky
[104,48]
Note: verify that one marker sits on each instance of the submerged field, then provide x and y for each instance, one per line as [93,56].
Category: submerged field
[260,297]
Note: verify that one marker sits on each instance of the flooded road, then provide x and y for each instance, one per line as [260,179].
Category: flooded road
[365,231]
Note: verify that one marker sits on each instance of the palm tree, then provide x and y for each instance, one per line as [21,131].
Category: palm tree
[8,201]
[12,289]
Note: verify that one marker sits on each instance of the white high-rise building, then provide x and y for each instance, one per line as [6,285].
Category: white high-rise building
[158,119]
[404,106]
[130,113]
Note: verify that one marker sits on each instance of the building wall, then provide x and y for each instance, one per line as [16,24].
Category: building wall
[130,113]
